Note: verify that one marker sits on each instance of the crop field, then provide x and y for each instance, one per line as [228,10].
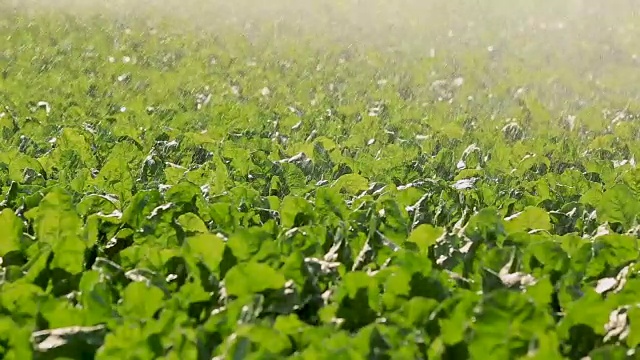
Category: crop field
[319,179]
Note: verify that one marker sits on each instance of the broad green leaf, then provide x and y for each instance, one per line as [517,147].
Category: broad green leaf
[247,243]
[506,322]
[115,175]
[141,301]
[17,340]
[619,204]
[60,313]
[96,297]
[295,179]
[397,288]
[21,300]
[141,206]
[191,293]
[128,340]
[289,324]
[250,278]
[269,340]
[595,318]
[192,223]
[455,326]
[486,226]
[25,170]
[351,184]
[417,310]
[394,220]
[184,192]
[356,300]
[531,218]
[58,224]
[11,234]
[425,236]
[329,204]
[94,203]
[72,139]
[634,335]
[611,252]
[295,211]
[207,248]
[609,352]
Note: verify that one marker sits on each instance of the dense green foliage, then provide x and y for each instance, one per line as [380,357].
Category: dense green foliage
[166,195]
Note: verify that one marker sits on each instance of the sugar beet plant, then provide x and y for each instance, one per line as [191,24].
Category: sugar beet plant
[169,195]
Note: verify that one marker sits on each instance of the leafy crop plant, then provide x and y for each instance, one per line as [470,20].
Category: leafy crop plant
[319,180]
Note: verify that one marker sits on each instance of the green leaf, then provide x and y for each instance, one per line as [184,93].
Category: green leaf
[11,234]
[184,192]
[294,178]
[207,248]
[595,318]
[425,236]
[72,139]
[270,341]
[619,204]
[250,278]
[486,226]
[634,335]
[329,204]
[609,352]
[507,321]
[21,300]
[289,324]
[351,184]
[531,218]
[247,243]
[356,300]
[94,203]
[610,252]
[58,224]
[141,301]
[96,297]
[26,170]
[115,175]
[417,310]
[592,197]
[17,340]
[60,313]
[141,206]
[295,211]
[456,326]
[192,223]
[397,287]
[128,340]
[191,293]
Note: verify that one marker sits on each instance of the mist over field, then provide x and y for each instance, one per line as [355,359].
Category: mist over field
[593,33]
[594,43]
